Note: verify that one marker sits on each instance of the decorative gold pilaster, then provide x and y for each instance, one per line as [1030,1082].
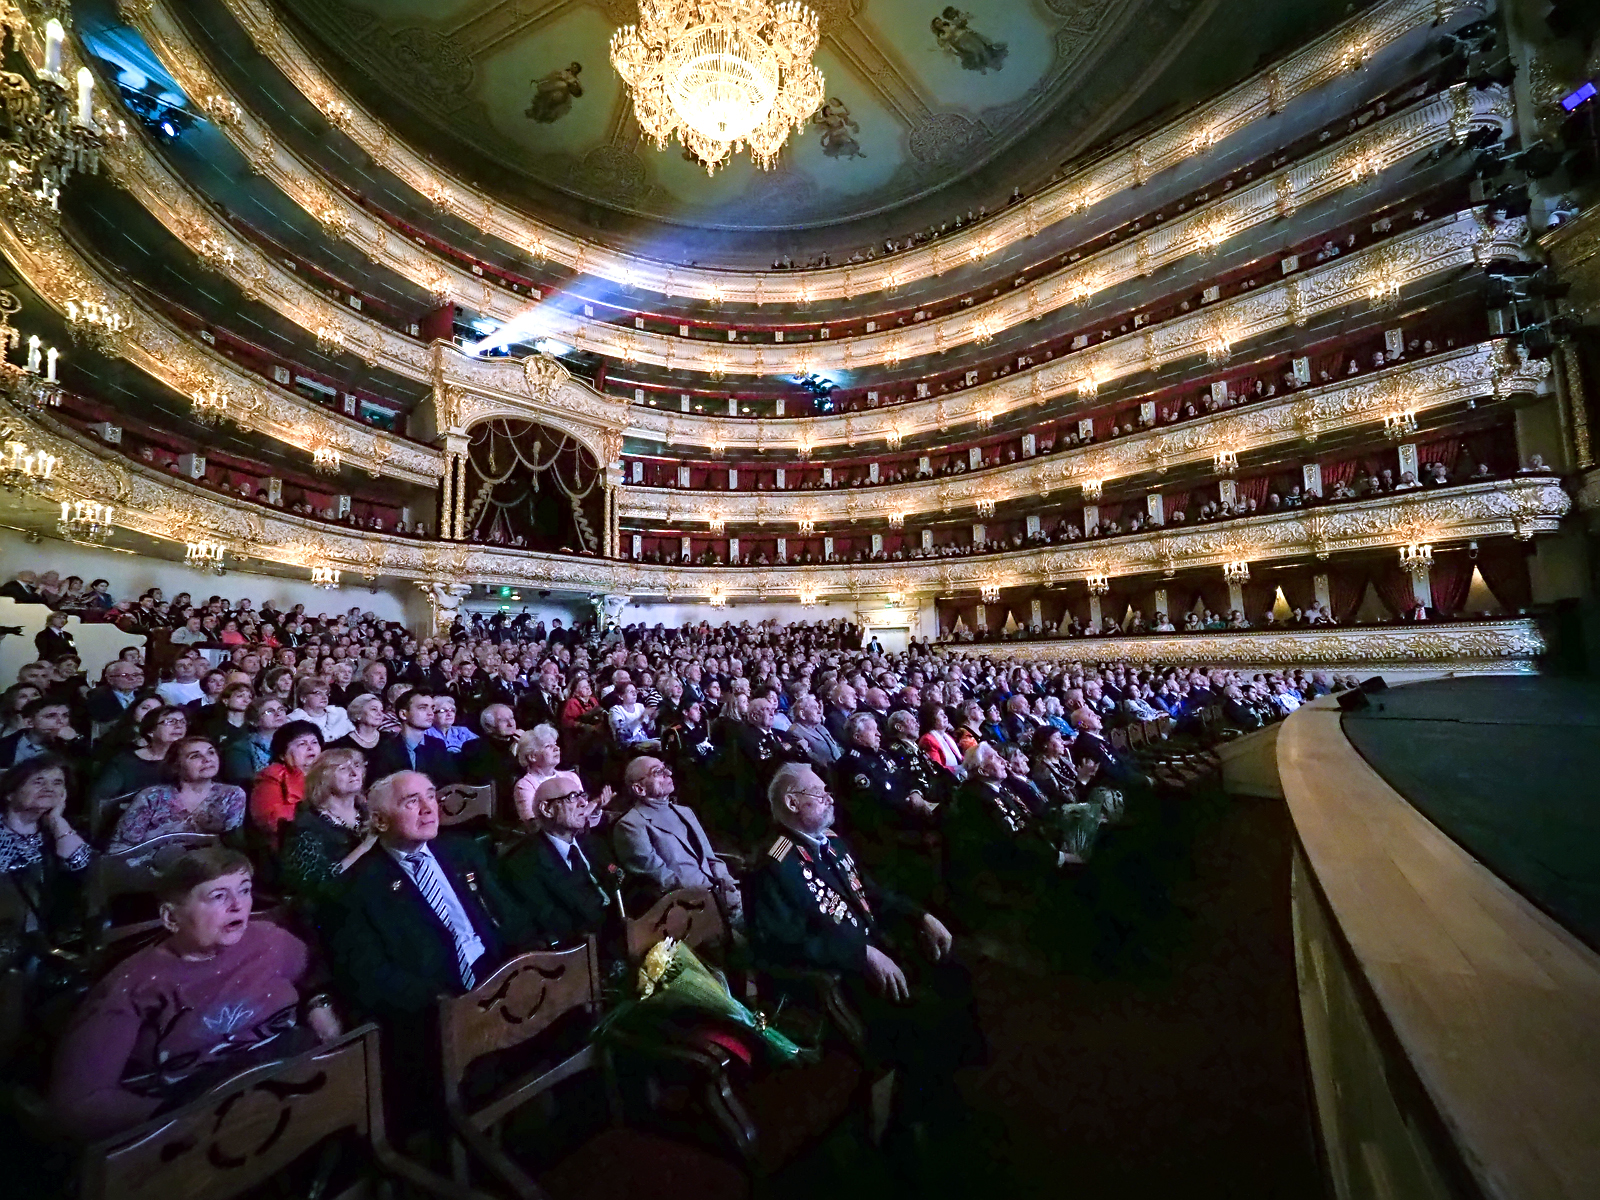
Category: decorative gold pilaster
[1578,401]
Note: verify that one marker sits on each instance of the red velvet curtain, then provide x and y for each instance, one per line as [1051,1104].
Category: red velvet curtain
[1505,570]
[1346,586]
[1214,592]
[1176,502]
[1255,489]
[1258,597]
[1445,450]
[1394,589]
[1335,473]
[1449,581]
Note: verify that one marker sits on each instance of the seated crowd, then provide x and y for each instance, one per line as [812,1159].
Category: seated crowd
[790,770]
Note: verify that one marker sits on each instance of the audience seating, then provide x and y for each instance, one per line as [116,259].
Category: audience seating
[255,1126]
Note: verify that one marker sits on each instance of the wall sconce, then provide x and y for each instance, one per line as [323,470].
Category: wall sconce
[719,599]
[86,522]
[1210,234]
[1236,572]
[986,418]
[1088,388]
[1383,290]
[893,438]
[330,339]
[209,405]
[1225,462]
[205,556]
[990,592]
[1092,489]
[1099,585]
[1399,425]
[325,459]
[1220,348]
[1417,558]
[26,470]
[808,596]
[807,526]
[717,448]
[897,520]
[717,522]
[985,506]
[894,599]
[326,578]
[804,448]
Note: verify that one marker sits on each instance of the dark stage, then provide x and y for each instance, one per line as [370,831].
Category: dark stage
[1509,768]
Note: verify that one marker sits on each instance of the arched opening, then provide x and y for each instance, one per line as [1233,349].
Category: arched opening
[532,487]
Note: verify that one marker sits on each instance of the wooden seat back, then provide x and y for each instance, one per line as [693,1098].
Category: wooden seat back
[244,1131]
[1118,737]
[511,1008]
[136,871]
[463,802]
[688,915]
[104,814]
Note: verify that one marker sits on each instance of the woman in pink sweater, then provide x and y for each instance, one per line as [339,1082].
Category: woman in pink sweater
[217,996]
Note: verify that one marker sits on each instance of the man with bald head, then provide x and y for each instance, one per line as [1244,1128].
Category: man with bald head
[562,869]
[418,916]
[662,841]
[809,907]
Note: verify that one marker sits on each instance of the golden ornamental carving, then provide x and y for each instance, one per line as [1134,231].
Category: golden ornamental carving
[545,376]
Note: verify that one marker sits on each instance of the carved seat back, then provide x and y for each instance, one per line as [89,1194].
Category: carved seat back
[136,871]
[687,915]
[243,1132]
[463,802]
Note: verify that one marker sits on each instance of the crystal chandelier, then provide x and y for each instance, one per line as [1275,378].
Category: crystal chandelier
[721,74]
[50,133]
[1417,559]
[86,522]
[325,577]
[1236,572]
[1099,585]
[325,460]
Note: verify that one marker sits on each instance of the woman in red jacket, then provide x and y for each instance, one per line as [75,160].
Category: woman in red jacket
[281,784]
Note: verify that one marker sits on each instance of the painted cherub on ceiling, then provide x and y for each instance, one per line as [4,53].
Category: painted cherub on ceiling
[974,51]
[554,93]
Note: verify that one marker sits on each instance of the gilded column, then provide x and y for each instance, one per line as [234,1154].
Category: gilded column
[447,488]
[1578,400]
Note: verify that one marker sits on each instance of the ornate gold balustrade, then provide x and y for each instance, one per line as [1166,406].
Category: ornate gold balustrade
[65,280]
[1427,251]
[1344,49]
[1350,162]
[1471,373]
[1461,647]
[153,503]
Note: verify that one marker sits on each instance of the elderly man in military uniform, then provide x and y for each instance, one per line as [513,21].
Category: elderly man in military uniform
[878,794]
[1000,854]
[761,751]
[808,906]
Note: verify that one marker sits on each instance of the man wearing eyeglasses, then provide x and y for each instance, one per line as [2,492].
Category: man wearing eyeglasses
[563,870]
[662,841]
[809,906]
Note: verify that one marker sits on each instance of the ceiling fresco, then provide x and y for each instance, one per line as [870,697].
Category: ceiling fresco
[919,93]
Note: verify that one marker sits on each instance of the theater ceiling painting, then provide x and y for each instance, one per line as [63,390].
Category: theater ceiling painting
[918,94]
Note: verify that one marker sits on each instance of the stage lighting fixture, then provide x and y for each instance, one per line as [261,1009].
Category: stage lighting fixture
[1572,101]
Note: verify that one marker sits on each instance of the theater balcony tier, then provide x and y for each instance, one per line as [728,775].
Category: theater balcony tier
[1469,374]
[468,390]
[1349,48]
[151,504]
[1242,215]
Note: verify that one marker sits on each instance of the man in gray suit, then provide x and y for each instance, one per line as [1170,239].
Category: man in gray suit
[806,724]
[661,840]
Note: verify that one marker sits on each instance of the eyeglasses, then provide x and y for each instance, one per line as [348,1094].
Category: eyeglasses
[818,795]
[654,771]
[570,797]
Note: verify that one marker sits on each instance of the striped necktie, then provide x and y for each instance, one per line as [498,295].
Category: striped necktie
[430,885]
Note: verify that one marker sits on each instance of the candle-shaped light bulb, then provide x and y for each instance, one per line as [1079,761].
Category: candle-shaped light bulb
[54,36]
[66,510]
[34,354]
[50,363]
[85,97]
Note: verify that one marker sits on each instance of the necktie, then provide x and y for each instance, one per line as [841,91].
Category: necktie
[577,862]
[428,884]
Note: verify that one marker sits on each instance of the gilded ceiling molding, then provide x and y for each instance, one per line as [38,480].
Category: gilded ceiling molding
[1346,48]
[1464,647]
[152,502]
[67,280]
[1348,162]
[1466,374]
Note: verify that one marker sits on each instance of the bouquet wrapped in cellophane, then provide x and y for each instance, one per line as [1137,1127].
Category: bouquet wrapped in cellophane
[673,982]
